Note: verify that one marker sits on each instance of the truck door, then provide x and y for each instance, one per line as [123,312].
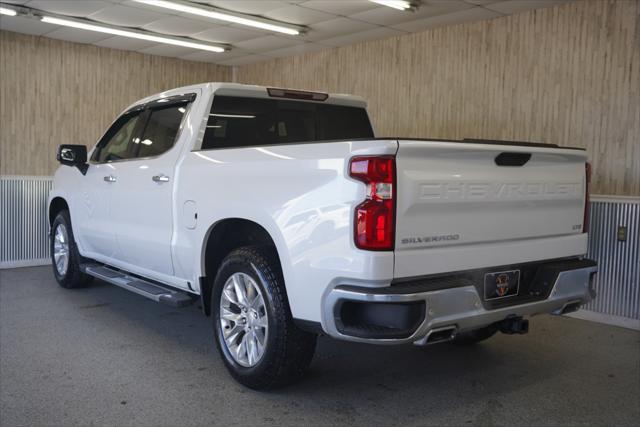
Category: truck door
[93,218]
[142,205]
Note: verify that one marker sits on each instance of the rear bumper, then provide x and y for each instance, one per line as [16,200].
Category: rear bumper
[394,316]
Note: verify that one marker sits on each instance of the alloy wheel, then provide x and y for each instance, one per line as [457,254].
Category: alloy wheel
[243,319]
[61,249]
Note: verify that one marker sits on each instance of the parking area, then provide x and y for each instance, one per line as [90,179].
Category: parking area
[105,356]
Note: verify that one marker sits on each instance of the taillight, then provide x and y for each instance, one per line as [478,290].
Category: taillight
[375,217]
[585,221]
[297,94]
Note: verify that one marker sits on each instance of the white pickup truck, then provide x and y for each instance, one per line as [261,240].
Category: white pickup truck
[282,213]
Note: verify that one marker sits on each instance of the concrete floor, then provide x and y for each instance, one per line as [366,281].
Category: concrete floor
[102,355]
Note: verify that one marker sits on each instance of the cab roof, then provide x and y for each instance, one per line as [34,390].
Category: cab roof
[255,91]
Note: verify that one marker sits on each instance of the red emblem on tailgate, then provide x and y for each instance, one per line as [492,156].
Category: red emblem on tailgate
[502,284]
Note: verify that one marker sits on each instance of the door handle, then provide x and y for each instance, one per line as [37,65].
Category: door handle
[160,178]
[110,178]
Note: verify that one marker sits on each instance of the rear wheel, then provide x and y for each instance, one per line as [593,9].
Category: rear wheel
[64,254]
[254,330]
[474,336]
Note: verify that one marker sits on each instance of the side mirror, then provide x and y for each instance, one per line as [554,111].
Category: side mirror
[73,155]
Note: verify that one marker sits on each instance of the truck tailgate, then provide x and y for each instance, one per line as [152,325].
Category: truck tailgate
[462,195]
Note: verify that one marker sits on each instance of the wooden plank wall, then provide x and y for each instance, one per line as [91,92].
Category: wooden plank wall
[567,75]
[54,92]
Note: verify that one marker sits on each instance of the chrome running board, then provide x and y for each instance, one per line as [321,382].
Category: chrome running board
[145,288]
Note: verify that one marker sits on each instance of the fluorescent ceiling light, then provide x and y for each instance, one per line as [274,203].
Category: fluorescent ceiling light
[186,8]
[396,4]
[7,11]
[131,34]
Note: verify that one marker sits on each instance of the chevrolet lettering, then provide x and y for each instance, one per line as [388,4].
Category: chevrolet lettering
[500,191]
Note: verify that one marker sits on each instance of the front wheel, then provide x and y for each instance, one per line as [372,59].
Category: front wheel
[64,254]
[254,330]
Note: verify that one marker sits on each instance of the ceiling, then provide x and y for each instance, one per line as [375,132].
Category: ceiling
[330,23]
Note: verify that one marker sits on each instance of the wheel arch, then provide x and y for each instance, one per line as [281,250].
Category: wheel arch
[221,238]
[56,205]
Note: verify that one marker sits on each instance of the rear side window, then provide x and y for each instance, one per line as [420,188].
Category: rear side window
[117,143]
[160,131]
[243,122]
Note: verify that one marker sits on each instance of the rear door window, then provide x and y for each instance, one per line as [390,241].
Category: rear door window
[244,122]
[160,131]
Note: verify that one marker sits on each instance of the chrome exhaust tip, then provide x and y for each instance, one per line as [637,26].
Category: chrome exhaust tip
[437,335]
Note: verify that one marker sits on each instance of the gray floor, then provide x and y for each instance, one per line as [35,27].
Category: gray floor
[105,356]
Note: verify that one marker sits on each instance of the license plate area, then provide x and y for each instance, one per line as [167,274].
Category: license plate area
[501,284]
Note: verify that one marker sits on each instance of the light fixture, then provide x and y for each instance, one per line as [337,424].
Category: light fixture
[213,14]
[128,33]
[396,4]
[7,11]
